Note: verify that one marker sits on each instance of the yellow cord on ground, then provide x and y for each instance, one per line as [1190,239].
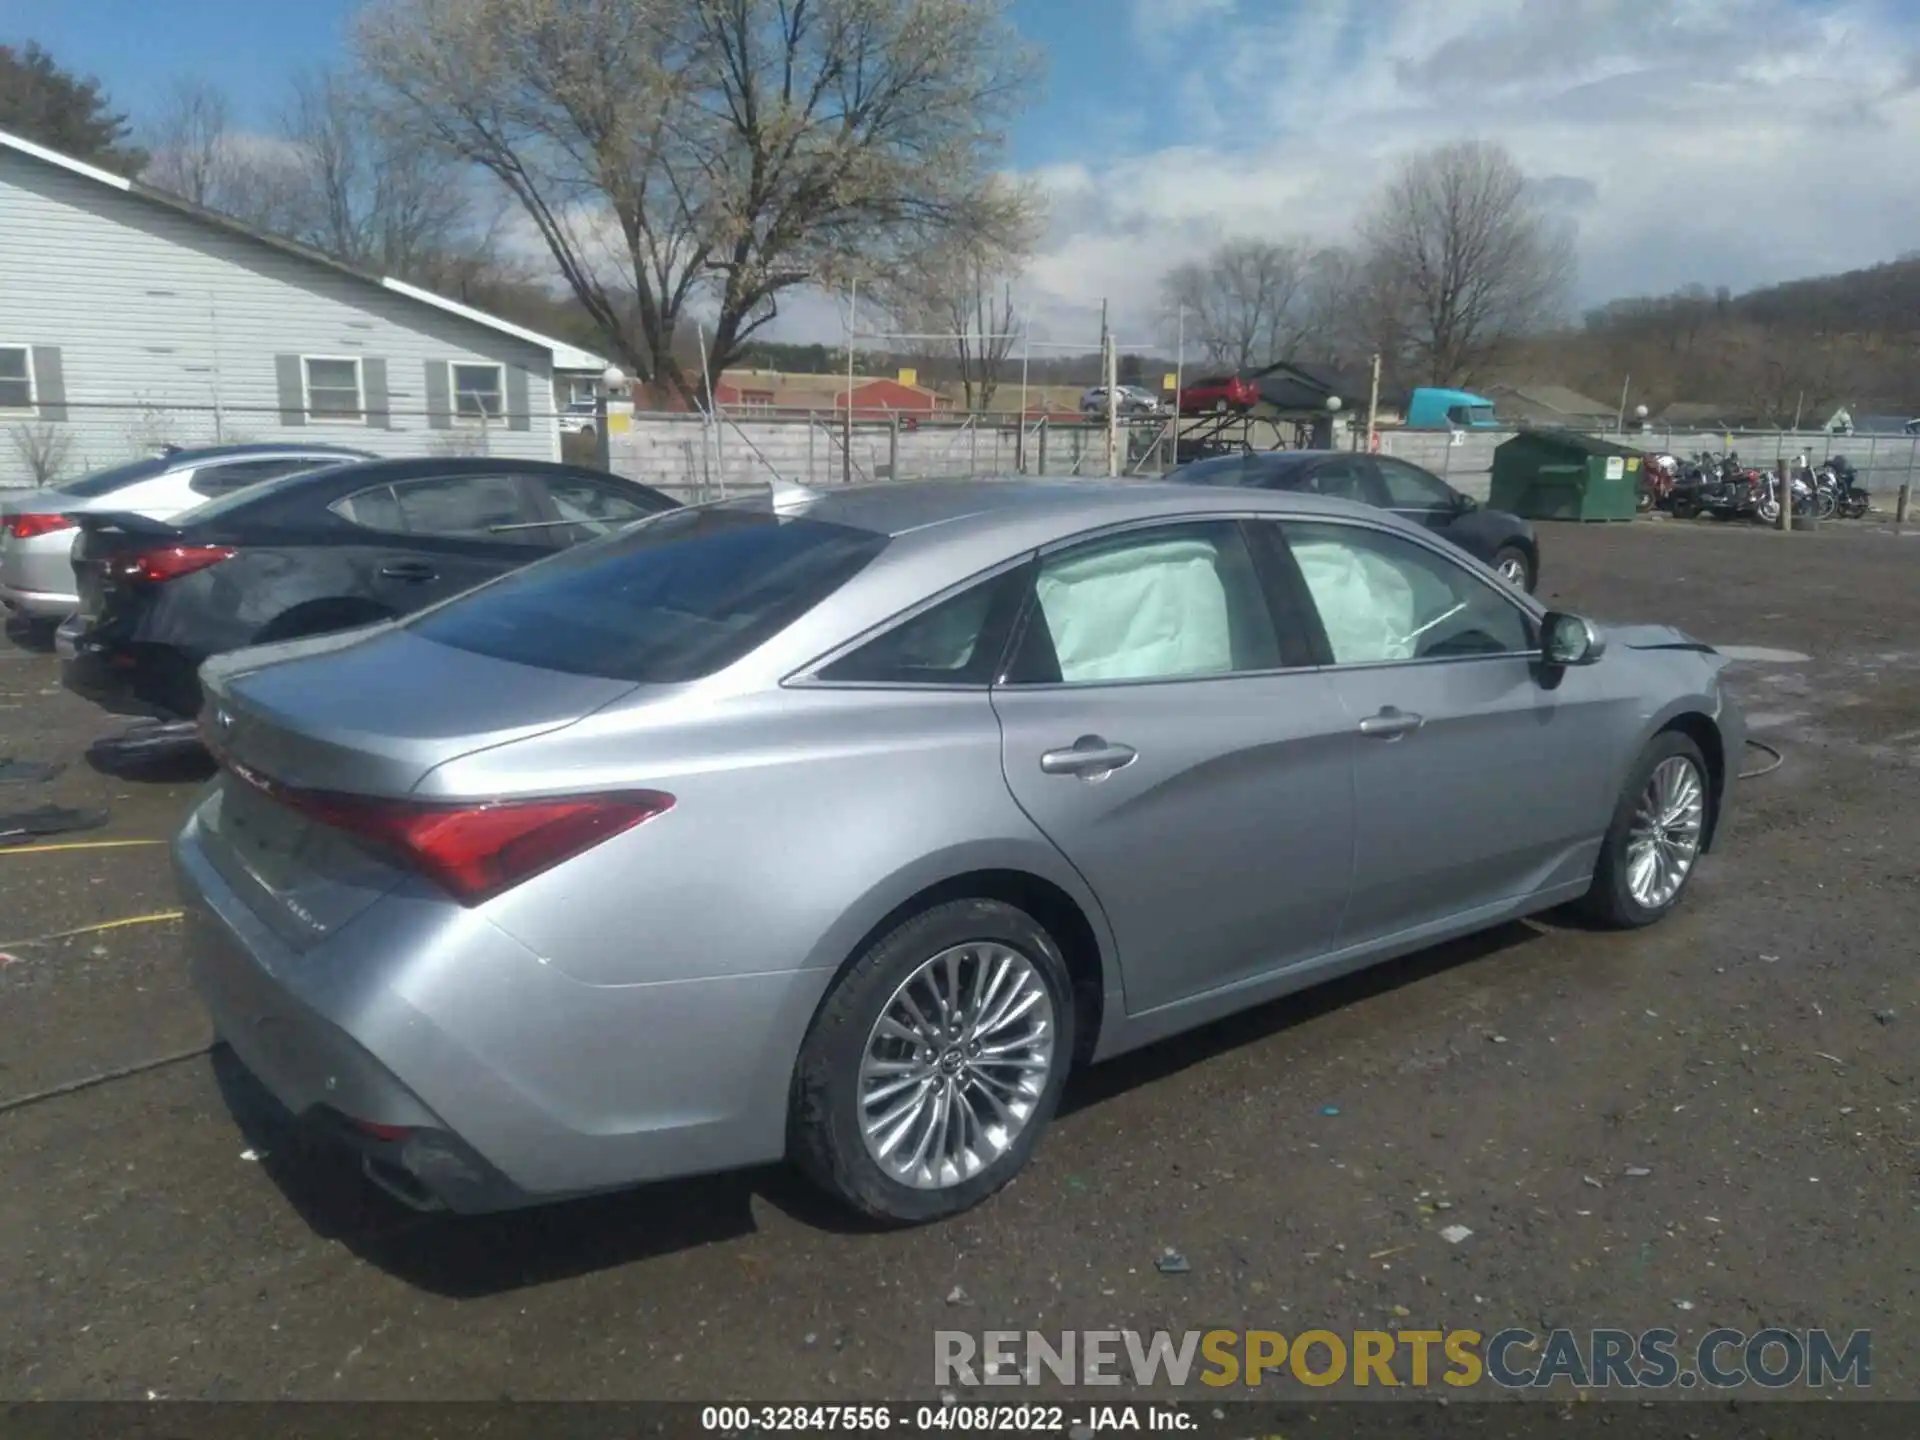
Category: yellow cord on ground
[153,919]
[75,845]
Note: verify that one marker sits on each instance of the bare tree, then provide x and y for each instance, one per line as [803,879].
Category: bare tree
[44,449]
[199,156]
[673,150]
[957,294]
[1242,304]
[1462,260]
[369,194]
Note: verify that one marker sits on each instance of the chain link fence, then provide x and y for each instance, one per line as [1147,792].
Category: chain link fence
[42,451]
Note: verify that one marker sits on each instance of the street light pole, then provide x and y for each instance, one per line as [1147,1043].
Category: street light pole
[846,438]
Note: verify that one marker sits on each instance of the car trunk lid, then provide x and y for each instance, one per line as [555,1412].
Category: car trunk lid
[365,713]
[105,539]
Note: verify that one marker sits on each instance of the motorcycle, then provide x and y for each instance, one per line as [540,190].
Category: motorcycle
[1804,498]
[1658,477]
[1716,486]
[1837,475]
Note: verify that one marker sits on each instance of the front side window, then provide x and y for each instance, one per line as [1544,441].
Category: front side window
[333,389]
[1165,603]
[1381,598]
[680,597]
[588,510]
[1409,487]
[479,392]
[16,378]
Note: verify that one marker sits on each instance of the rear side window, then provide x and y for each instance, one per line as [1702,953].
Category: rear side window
[491,507]
[957,642]
[215,480]
[105,482]
[673,599]
[1252,471]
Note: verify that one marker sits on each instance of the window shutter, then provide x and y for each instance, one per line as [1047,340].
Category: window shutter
[373,380]
[439,396]
[518,415]
[293,395]
[49,383]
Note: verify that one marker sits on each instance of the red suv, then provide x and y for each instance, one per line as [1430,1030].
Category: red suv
[1218,393]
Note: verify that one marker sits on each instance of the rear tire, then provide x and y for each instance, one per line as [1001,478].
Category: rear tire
[838,1097]
[1515,566]
[1670,777]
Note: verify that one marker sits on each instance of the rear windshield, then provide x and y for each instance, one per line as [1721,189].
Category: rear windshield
[247,496]
[105,482]
[673,599]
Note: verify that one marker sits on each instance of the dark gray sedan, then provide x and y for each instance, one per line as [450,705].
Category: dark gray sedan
[1505,542]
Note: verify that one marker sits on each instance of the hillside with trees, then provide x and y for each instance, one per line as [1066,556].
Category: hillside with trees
[1804,347]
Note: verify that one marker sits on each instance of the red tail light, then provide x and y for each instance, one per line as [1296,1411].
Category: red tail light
[157,566]
[474,851]
[25,527]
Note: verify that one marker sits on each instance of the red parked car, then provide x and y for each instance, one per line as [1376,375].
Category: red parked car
[1218,393]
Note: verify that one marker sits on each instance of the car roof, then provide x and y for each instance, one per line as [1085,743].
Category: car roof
[264,450]
[1029,511]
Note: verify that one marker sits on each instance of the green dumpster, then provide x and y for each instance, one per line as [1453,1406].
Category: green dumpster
[1560,475]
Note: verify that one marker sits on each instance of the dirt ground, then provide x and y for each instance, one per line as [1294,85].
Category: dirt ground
[1755,1056]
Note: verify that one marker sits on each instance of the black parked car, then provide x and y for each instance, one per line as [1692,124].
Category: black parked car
[328,550]
[1502,541]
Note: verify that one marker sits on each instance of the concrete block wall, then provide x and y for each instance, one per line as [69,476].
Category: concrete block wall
[684,456]
[690,459]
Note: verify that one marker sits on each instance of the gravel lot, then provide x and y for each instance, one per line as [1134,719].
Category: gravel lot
[1755,1056]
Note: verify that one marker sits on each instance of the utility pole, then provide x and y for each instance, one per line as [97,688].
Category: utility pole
[846,437]
[1373,405]
[1620,423]
[1110,367]
[1179,378]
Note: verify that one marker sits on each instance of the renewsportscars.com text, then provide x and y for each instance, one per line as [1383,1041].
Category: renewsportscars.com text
[1513,1359]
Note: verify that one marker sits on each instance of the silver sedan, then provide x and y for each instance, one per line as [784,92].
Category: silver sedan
[842,827]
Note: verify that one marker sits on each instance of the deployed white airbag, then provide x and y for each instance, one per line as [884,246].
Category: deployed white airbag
[1365,603]
[1138,612]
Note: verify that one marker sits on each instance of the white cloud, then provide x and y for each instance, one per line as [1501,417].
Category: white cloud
[1724,141]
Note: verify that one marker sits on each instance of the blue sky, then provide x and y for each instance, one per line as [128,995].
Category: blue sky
[1668,132]
[251,48]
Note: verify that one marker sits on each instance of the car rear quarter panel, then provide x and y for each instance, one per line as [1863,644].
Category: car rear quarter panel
[228,605]
[802,818]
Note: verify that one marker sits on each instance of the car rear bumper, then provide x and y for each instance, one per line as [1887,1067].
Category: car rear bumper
[128,682]
[37,604]
[512,1084]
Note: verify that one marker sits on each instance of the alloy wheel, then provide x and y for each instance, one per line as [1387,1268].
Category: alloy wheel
[955,1065]
[1664,840]
[1513,570]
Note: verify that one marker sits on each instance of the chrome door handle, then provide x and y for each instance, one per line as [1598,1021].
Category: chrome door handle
[1090,756]
[1390,724]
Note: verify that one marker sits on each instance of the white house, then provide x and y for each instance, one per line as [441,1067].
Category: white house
[130,319]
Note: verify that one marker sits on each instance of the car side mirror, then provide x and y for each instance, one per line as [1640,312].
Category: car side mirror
[1569,640]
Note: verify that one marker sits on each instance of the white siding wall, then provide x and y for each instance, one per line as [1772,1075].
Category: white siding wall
[157,315]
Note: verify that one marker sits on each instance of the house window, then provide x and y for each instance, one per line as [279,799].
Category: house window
[581,389]
[16,378]
[479,392]
[333,388]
